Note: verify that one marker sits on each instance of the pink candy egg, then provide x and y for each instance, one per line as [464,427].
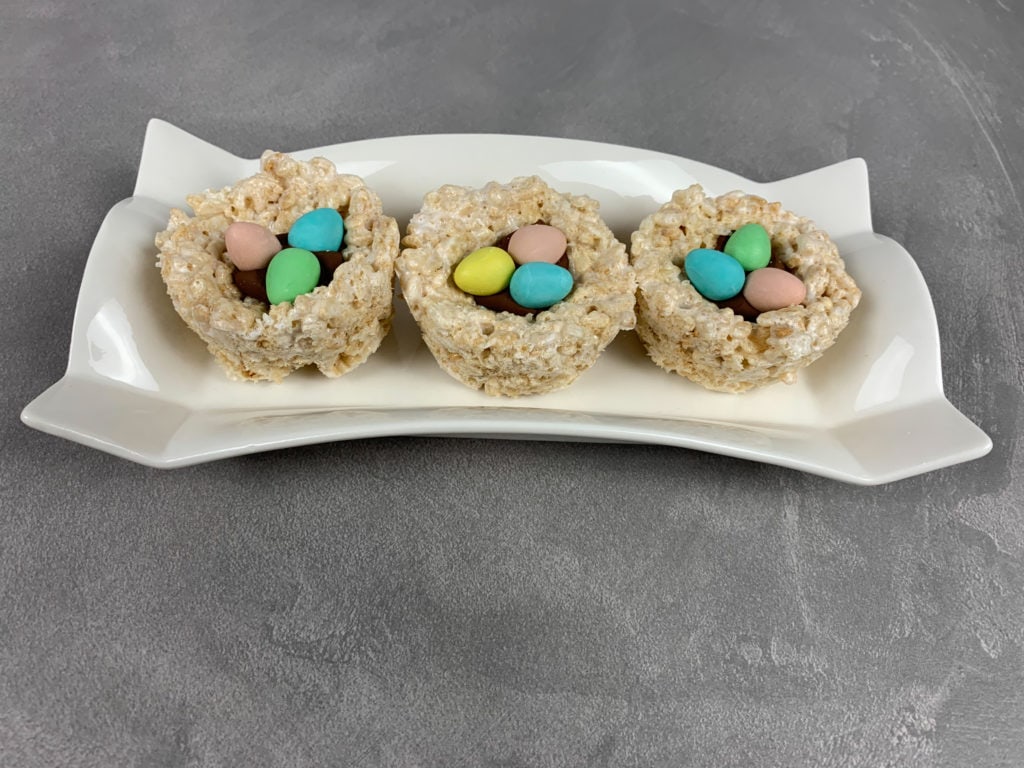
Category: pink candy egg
[537,242]
[249,245]
[770,288]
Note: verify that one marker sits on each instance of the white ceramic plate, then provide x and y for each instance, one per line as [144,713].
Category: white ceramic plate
[140,385]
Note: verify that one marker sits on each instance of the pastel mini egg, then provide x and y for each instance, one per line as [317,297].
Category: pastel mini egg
[537,242]
[322,229]
[250,245]
[715,275]
[539,285]
[770,288]
[750,246]
[484,271]
[292,272]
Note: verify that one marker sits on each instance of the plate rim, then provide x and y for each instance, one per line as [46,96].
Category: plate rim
[487,417]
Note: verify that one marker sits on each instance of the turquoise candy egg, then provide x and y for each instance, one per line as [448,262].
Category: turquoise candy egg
[321,229]
[291,273]
[538,285]
[715,275]
[751,246]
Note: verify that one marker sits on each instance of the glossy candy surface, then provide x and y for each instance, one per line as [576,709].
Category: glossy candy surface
[322,229]
[750,246]
[539,285]
[484,271]
[537,242]
[249,245]
[291,273]
[715,275]
[772,288]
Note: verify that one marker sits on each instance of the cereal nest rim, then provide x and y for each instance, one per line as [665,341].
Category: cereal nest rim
[690,335]
[499,352]
[334,327]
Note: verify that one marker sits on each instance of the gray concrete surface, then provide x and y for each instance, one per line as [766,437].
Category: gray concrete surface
[431,602]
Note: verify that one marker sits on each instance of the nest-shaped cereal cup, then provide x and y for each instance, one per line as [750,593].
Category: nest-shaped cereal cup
[500,352]
[715,347]
[334,327]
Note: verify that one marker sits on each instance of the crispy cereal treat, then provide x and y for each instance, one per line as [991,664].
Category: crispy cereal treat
[335,326]
[498,351]
[714,345]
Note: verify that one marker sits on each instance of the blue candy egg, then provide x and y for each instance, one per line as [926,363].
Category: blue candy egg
[716,275]
[538,285]
[321,229]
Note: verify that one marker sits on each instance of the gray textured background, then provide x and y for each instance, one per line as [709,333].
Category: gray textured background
[439,602]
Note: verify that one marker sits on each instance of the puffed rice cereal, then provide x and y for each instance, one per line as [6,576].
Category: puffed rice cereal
[499,352]
[334,327]
[690,335]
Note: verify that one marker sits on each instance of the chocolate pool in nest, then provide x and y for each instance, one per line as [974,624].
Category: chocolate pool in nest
[710,343]
[498,351]
[335,326]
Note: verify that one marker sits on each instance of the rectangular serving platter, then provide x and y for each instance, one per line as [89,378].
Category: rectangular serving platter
[141,386]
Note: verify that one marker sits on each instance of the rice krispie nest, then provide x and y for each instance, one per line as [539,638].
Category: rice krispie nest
[688,334]
[503,353]
[334,327]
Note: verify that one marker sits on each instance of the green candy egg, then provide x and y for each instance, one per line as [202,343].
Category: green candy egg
[292,272]
[750,246]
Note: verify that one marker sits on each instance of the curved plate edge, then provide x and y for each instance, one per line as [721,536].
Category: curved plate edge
[173,439]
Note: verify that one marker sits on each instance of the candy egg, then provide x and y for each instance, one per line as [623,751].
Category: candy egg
[715,275]
[291,273]
[538,285]
[750,246]
[322,229]
[772,288]
[250,245]
[484,271]
[537,242]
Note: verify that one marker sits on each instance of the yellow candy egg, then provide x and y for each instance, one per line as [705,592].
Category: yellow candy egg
[484,272]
